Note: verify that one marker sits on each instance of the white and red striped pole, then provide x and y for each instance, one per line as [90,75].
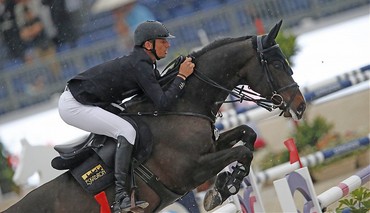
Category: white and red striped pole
[344,188]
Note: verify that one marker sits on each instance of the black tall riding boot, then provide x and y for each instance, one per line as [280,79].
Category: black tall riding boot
[122,170]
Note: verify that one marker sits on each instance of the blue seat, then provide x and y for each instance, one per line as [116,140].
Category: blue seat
[3,51]
[3,111]
[216,25]
[63,48]
[231,1]
[12,63]
[208,4]
[98,22]
[162,15]
[84,41]
[92,60]
[19,85]
[244,19]
[110,53]
[3,91]
[69,69]
[190,33]
[182,10]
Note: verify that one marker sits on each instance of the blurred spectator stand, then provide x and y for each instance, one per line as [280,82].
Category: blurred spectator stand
[15,48]
[127,14]
[67,19]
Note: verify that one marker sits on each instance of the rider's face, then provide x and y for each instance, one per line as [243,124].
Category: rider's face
[161,47]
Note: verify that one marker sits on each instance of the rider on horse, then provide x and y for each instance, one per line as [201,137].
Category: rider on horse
[91,100]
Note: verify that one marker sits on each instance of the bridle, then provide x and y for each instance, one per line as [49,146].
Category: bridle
[275,101]
[284,106]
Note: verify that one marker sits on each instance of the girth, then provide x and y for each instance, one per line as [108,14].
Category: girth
[165,194]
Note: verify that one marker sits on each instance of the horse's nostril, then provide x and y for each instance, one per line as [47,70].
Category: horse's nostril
[302,107]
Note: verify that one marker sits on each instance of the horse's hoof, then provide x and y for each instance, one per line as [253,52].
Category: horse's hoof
[212,199]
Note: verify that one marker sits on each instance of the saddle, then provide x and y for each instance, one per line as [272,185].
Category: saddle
[91,161]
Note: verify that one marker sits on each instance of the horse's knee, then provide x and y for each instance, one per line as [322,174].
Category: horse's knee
[244,155]
[249,136]
[247,156]
[249,133]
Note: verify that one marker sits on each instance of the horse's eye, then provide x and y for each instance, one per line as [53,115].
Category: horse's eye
[277,64]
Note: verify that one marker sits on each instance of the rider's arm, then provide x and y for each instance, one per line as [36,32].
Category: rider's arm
[162,99]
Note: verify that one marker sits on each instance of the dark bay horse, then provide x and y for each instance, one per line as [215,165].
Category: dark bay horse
[186,151]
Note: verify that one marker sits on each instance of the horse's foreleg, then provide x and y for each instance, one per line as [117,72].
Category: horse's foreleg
[226,140]
[227,183]
[211,164]
[240,133]
[229,138]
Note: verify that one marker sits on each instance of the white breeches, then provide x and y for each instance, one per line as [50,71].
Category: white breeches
[94,119]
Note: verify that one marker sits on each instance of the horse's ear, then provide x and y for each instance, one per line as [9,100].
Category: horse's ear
[270,38]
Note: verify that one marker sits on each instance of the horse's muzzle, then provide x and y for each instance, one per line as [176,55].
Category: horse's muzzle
[295,114]
[300,110]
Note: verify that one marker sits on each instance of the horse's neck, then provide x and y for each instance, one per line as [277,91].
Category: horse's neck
[205,98]
[216,74]
[200,98]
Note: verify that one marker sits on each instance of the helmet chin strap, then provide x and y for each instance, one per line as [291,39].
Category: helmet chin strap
[153,51]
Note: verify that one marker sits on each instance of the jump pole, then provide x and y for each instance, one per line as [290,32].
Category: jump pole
[344,188]
[312,159]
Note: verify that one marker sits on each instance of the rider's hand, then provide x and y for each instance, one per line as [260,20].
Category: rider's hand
[186,68]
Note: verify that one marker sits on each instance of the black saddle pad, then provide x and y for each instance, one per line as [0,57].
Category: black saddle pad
[94,175]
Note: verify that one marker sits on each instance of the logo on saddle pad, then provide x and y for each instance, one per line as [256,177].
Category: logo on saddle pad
[93,174]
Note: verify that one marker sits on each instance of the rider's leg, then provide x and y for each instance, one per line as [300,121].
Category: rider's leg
[99,121]
[94,119]
[122,170]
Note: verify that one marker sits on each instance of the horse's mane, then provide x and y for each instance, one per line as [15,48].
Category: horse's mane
[218,43]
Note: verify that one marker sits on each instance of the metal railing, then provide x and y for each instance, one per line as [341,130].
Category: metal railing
[29,84]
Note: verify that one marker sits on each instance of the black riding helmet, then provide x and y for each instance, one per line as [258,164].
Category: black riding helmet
[150,30]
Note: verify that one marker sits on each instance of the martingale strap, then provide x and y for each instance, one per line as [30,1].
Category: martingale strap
[165,194]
